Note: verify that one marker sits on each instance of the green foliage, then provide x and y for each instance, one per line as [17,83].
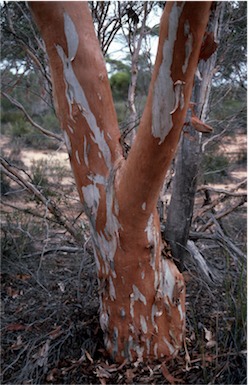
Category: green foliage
[214,167]
[50,122]
[20,128]
[39,175]
[23,133]
[4,183]
[16,234]
[231,54]
[121,110]
[47,175]
[117,65]
[18,30]
[119,83]
[236,304]
[229,100]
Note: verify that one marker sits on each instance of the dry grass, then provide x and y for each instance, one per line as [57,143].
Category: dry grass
[50,327]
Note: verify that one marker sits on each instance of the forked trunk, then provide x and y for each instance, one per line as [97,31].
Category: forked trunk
[142,294]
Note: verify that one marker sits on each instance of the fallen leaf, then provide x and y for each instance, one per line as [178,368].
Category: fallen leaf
[15,327]
[23,277]
[102,373]
[130,376]
[171,379]
[210,344]
[209,338]
[89,356]
[51,377]
[208,334]
[13,293]
[18,344]
[42,355]
[61,285]
[55,333]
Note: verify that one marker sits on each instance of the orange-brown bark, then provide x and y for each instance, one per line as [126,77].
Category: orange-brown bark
[142,295]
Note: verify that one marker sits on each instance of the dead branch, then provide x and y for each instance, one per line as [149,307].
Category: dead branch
[223,191]
[222,214]
[224,195]
[221,238]
[36,125]
[63,249]
[26,210]
[201,263]
[12,172]
[213,138]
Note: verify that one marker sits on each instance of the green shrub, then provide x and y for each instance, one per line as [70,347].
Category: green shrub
[4,183]
[47,175]
[11,116]
[121,110]
[29,135]
[214,167]
[39,174]
[20,127]
[119,84]
[50,122]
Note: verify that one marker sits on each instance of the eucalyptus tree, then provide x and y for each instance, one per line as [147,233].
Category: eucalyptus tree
[142,293]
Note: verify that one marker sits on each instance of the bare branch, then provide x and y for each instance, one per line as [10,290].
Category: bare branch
[26,210]
[12,172]
[213,138]
[201,263]
[36,125]
[222,214]
[223,191]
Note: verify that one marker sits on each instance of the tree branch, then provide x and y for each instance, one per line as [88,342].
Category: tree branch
[11,171]
[223,191]
[36,125]
[222,214]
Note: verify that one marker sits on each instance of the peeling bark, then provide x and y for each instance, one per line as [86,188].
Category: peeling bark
[181,206]
[142,294]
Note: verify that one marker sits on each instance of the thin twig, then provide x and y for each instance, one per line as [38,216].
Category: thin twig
[36,125]
[12,172]
[63,249]
[222,214]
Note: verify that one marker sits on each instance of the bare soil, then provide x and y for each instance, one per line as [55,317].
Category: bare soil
[49,303]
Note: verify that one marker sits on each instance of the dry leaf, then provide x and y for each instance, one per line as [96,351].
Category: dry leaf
[171,379]
[89,356]
[208,334]
[55,333]
[130,376]
[13,293]
[102,373]
[42,355]
[18,344]
[61,285]
[209,337]
[51,377]
[23,277]
[210,344]
[15,327]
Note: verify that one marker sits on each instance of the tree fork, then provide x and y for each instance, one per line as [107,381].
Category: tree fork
[142,295]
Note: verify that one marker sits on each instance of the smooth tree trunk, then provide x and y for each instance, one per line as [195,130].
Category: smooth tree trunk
[180,211]
[135,43]
[142,294]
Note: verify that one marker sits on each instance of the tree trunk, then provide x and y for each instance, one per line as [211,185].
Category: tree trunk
[184,186]
[142,294]
[134,48]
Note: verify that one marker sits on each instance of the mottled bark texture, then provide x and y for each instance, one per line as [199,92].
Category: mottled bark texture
[142,294]
[188,159]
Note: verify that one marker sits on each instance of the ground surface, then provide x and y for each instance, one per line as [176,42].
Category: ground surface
[50,328]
